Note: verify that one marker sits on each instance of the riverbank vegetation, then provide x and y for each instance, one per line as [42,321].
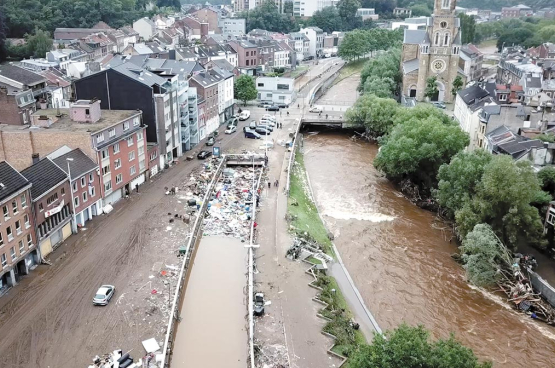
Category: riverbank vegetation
[358,43]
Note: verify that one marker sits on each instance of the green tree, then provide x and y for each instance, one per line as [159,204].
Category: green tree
[421,112]
[245,89]
[410,347]
[39,44]
[503,200]
[546,178]
[381,87]
[347,12]
[459,179]
[374,113]
[328,19]
[421,10]
[431,88]
[457,85]
[267,16]
[417,148]
[385,66]
[482,255]
[468,28]
[288,7]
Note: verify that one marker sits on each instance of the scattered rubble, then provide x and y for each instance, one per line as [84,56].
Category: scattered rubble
[117,359]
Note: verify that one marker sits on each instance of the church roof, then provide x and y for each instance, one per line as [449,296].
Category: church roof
[410,66]
[416,36]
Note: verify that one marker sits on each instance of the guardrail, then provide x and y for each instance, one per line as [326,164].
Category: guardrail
[292,157]
[165,361]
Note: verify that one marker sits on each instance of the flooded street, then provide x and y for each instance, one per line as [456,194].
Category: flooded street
[213,329]
[399,257]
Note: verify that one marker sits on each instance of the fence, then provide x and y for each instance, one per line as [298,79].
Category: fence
[165,362]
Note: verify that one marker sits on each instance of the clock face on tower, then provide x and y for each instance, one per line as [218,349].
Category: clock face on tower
[438,66]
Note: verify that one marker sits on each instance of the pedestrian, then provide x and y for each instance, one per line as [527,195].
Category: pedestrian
[326,116]
[298,106]
[287,113]
[269,185]
[277,183]
[137,187]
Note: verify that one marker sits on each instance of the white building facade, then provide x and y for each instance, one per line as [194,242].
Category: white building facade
[276,89]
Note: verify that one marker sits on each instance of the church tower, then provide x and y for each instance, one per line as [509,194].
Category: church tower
[433,51]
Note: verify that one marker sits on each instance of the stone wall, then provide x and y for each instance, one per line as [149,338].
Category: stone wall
[547,291]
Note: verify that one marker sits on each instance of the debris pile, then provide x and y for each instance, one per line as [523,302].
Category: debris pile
[230,208]
[304,247]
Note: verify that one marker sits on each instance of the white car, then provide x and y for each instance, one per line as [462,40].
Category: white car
[231,129]
[268,117]
[104,294]
[266,145]
[315,109]
[245,114]
[271,123]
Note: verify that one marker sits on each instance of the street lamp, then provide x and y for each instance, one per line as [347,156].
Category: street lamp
[74,224]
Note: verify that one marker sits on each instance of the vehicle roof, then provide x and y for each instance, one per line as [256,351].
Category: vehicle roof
[104,288]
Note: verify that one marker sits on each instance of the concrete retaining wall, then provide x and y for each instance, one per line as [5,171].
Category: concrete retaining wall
[547,291]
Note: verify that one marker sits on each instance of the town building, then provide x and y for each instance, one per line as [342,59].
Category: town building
[18,251]
[470,62]
[316,40]
[129,87]
[225,92]
[276,89]
[146,28]
[207,86]
[234,27]
[19,89]
[51,201]
[367,13]
[402,12]
[433,52]
[416,23]
[301,45]
[307,8]
[247,56]
[84,174]
[516,11]
[511,71]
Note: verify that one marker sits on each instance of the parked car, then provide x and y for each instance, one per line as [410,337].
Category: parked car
[283,105]
[271,123]
[231,129]
[315,109]
[264,104]
[259,304]
[204,154]
[252,125]
[232,121]
[272,108]
[268,117]
[266,145]
[262,130]
[252,134]
[265,126]
[104,294]
[210,141]
[244,115]
[247,129]
[439,105]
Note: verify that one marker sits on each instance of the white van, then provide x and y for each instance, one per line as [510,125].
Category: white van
[245,114]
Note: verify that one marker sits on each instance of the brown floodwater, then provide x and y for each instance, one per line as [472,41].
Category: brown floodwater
[399,258]
[212,332]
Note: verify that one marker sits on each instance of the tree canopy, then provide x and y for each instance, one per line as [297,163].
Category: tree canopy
[328,19]
[245,88]
[359,42]
[468,28]
[267,16]
[410,347]
[374,113]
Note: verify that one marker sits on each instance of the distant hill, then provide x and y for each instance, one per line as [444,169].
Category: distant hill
[498,4]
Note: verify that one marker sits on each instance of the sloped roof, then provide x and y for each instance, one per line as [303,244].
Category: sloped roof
[11,180]
[139,74]
[411,66]
[472,94]
[416,36]
[80,165]
[44,175]
[55,78]
[21,75]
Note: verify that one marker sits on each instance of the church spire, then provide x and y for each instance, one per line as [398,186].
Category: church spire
[445,7]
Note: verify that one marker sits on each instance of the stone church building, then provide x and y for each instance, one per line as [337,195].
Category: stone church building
[433,51]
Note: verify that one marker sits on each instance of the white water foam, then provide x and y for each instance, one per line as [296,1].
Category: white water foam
[345,215]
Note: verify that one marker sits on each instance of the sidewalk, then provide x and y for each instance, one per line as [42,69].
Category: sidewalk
[293,335]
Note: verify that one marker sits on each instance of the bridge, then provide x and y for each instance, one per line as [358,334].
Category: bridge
[336,121]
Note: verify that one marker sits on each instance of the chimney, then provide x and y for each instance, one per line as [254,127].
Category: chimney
[35,157]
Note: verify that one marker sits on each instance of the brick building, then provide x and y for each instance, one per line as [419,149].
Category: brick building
[85,183]
[247,56]
[207,86]
[17,237]
[51,200]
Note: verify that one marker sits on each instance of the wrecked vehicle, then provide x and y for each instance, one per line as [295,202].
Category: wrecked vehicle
[258,304]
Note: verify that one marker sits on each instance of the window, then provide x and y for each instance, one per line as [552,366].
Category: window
[29,240]
[283,86]
[23,201]
[91,178]
[21,247]
[92,191]
[3,260]
[136,121]
[502,97]
[87,112]
[445,4]
[12,253]
[116,147]
[74,186]
[132,170]
[83,182]
[117,164]
[119,178]
[108,186]
[446,40]
[26,220]
[40,207]
[436,42]
[14,207]
[76,201]
[126,125]
[85,197]
[18,227]
[260,84]
[104,154]
[106,170]
[131,155]
[100,138]
[112,133]
[129,141]
[53,198]
[139,136]
[153,155]
[1,240]
[9,233]
[63,191]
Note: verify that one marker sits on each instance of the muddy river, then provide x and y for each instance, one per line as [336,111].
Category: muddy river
[399,258]
[212,332]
